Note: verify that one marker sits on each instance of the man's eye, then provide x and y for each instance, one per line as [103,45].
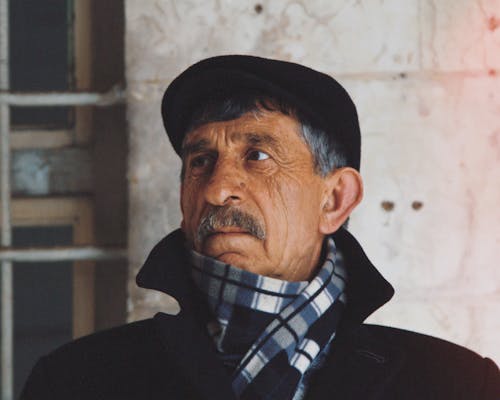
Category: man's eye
[256,155]
[200,161]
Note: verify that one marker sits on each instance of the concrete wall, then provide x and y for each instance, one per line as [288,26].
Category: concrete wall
[425,77]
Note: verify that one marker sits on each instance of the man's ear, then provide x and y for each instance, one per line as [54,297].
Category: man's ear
[343,192]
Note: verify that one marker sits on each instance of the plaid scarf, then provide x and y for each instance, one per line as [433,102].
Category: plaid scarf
[269,331]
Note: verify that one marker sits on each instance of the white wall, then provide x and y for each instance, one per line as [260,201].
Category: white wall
[425,76]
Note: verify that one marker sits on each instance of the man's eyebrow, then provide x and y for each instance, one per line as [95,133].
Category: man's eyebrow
[254,139]
[196,146]
[251,138]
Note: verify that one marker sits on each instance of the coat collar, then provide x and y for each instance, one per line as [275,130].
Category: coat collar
[193,352]
[165,270]
[182,335]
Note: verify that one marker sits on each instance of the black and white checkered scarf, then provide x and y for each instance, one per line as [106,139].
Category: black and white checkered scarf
[269,331]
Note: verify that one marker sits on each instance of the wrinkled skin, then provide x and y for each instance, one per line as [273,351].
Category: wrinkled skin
[260,165]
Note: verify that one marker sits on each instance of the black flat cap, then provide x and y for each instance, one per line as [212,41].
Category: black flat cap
[317,96]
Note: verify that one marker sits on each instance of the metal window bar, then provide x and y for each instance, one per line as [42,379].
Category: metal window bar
[6,272]
[69,253]
[116,94]
[8,254]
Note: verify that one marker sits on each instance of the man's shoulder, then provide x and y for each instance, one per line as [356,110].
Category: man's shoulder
[410,365]
[122,362]
[420,348]
[131,346]
[131,336]
[411,339]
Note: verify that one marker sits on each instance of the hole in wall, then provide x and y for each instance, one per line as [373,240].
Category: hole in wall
[417,205]
[387,205]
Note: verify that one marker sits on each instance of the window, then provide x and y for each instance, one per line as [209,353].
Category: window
[67,178]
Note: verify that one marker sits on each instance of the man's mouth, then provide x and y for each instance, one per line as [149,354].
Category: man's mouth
[226,230]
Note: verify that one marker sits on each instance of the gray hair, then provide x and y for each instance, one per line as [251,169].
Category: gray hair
[325,158]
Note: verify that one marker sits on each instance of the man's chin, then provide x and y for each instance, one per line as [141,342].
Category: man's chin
[238,249]
[242,259]
[232,258]
[234,242]
[243,262]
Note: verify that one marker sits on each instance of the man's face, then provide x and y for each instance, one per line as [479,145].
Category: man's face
[254,177]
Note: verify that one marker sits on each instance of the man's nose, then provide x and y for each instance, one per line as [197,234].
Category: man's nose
[226,185]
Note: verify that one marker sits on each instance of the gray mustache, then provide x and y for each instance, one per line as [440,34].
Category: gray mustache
[219,217]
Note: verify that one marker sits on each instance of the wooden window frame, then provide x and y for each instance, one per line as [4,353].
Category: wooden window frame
[81,132]
[77,213]
[74,211]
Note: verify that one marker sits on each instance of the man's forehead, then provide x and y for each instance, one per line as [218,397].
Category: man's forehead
[263,128]
[205,138]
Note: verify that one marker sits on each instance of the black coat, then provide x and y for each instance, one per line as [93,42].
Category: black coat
[171,357]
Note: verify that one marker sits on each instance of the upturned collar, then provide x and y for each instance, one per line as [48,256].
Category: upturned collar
[167,270]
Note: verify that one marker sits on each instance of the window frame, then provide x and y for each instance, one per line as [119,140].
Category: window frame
[78,213]
[75,211]
[81,132]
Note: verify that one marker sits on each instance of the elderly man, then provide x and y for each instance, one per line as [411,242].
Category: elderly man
[272,289]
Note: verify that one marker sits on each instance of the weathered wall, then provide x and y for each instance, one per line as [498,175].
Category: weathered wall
[424,75]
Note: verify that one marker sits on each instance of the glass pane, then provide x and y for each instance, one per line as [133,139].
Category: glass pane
[40,58]
[42,300]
